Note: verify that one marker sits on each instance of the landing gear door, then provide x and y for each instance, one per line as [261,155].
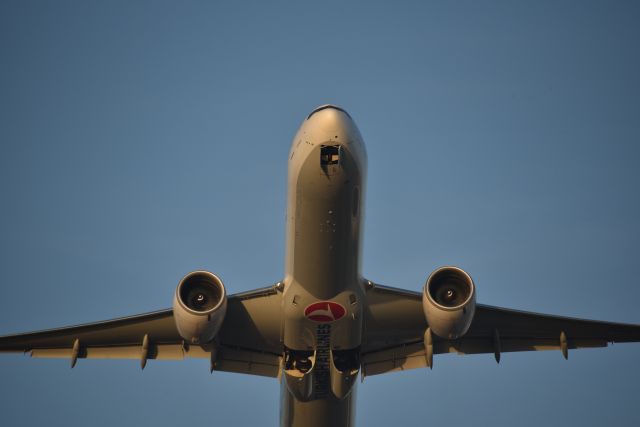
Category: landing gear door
[330,158]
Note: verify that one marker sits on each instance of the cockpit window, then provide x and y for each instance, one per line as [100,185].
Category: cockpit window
[329,155]
[324,107]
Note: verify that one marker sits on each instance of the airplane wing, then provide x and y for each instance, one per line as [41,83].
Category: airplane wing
[395,326]
[248,341]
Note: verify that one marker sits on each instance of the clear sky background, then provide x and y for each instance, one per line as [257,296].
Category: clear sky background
[142,140]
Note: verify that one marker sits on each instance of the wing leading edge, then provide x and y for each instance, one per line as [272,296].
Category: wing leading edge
[396,328]
[247,342]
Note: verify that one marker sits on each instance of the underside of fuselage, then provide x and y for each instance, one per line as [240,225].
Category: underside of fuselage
[324,291]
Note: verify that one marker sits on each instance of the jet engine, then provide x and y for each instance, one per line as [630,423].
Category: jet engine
[199,306]
[449,302]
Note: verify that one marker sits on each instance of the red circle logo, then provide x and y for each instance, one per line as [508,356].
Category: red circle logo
[324,311]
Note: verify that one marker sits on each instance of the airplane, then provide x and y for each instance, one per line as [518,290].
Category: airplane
[323,325]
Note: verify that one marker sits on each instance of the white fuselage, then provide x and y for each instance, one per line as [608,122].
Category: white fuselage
[324,292]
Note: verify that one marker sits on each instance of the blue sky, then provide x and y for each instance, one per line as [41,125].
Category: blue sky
[142,140]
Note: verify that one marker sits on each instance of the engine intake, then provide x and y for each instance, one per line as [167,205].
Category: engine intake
[449,302]
[199,306]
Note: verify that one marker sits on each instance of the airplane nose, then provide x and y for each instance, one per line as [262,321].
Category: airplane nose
[328,107]
[331,121]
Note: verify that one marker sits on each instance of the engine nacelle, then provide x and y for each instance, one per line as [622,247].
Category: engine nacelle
[199,306]
[449,302]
